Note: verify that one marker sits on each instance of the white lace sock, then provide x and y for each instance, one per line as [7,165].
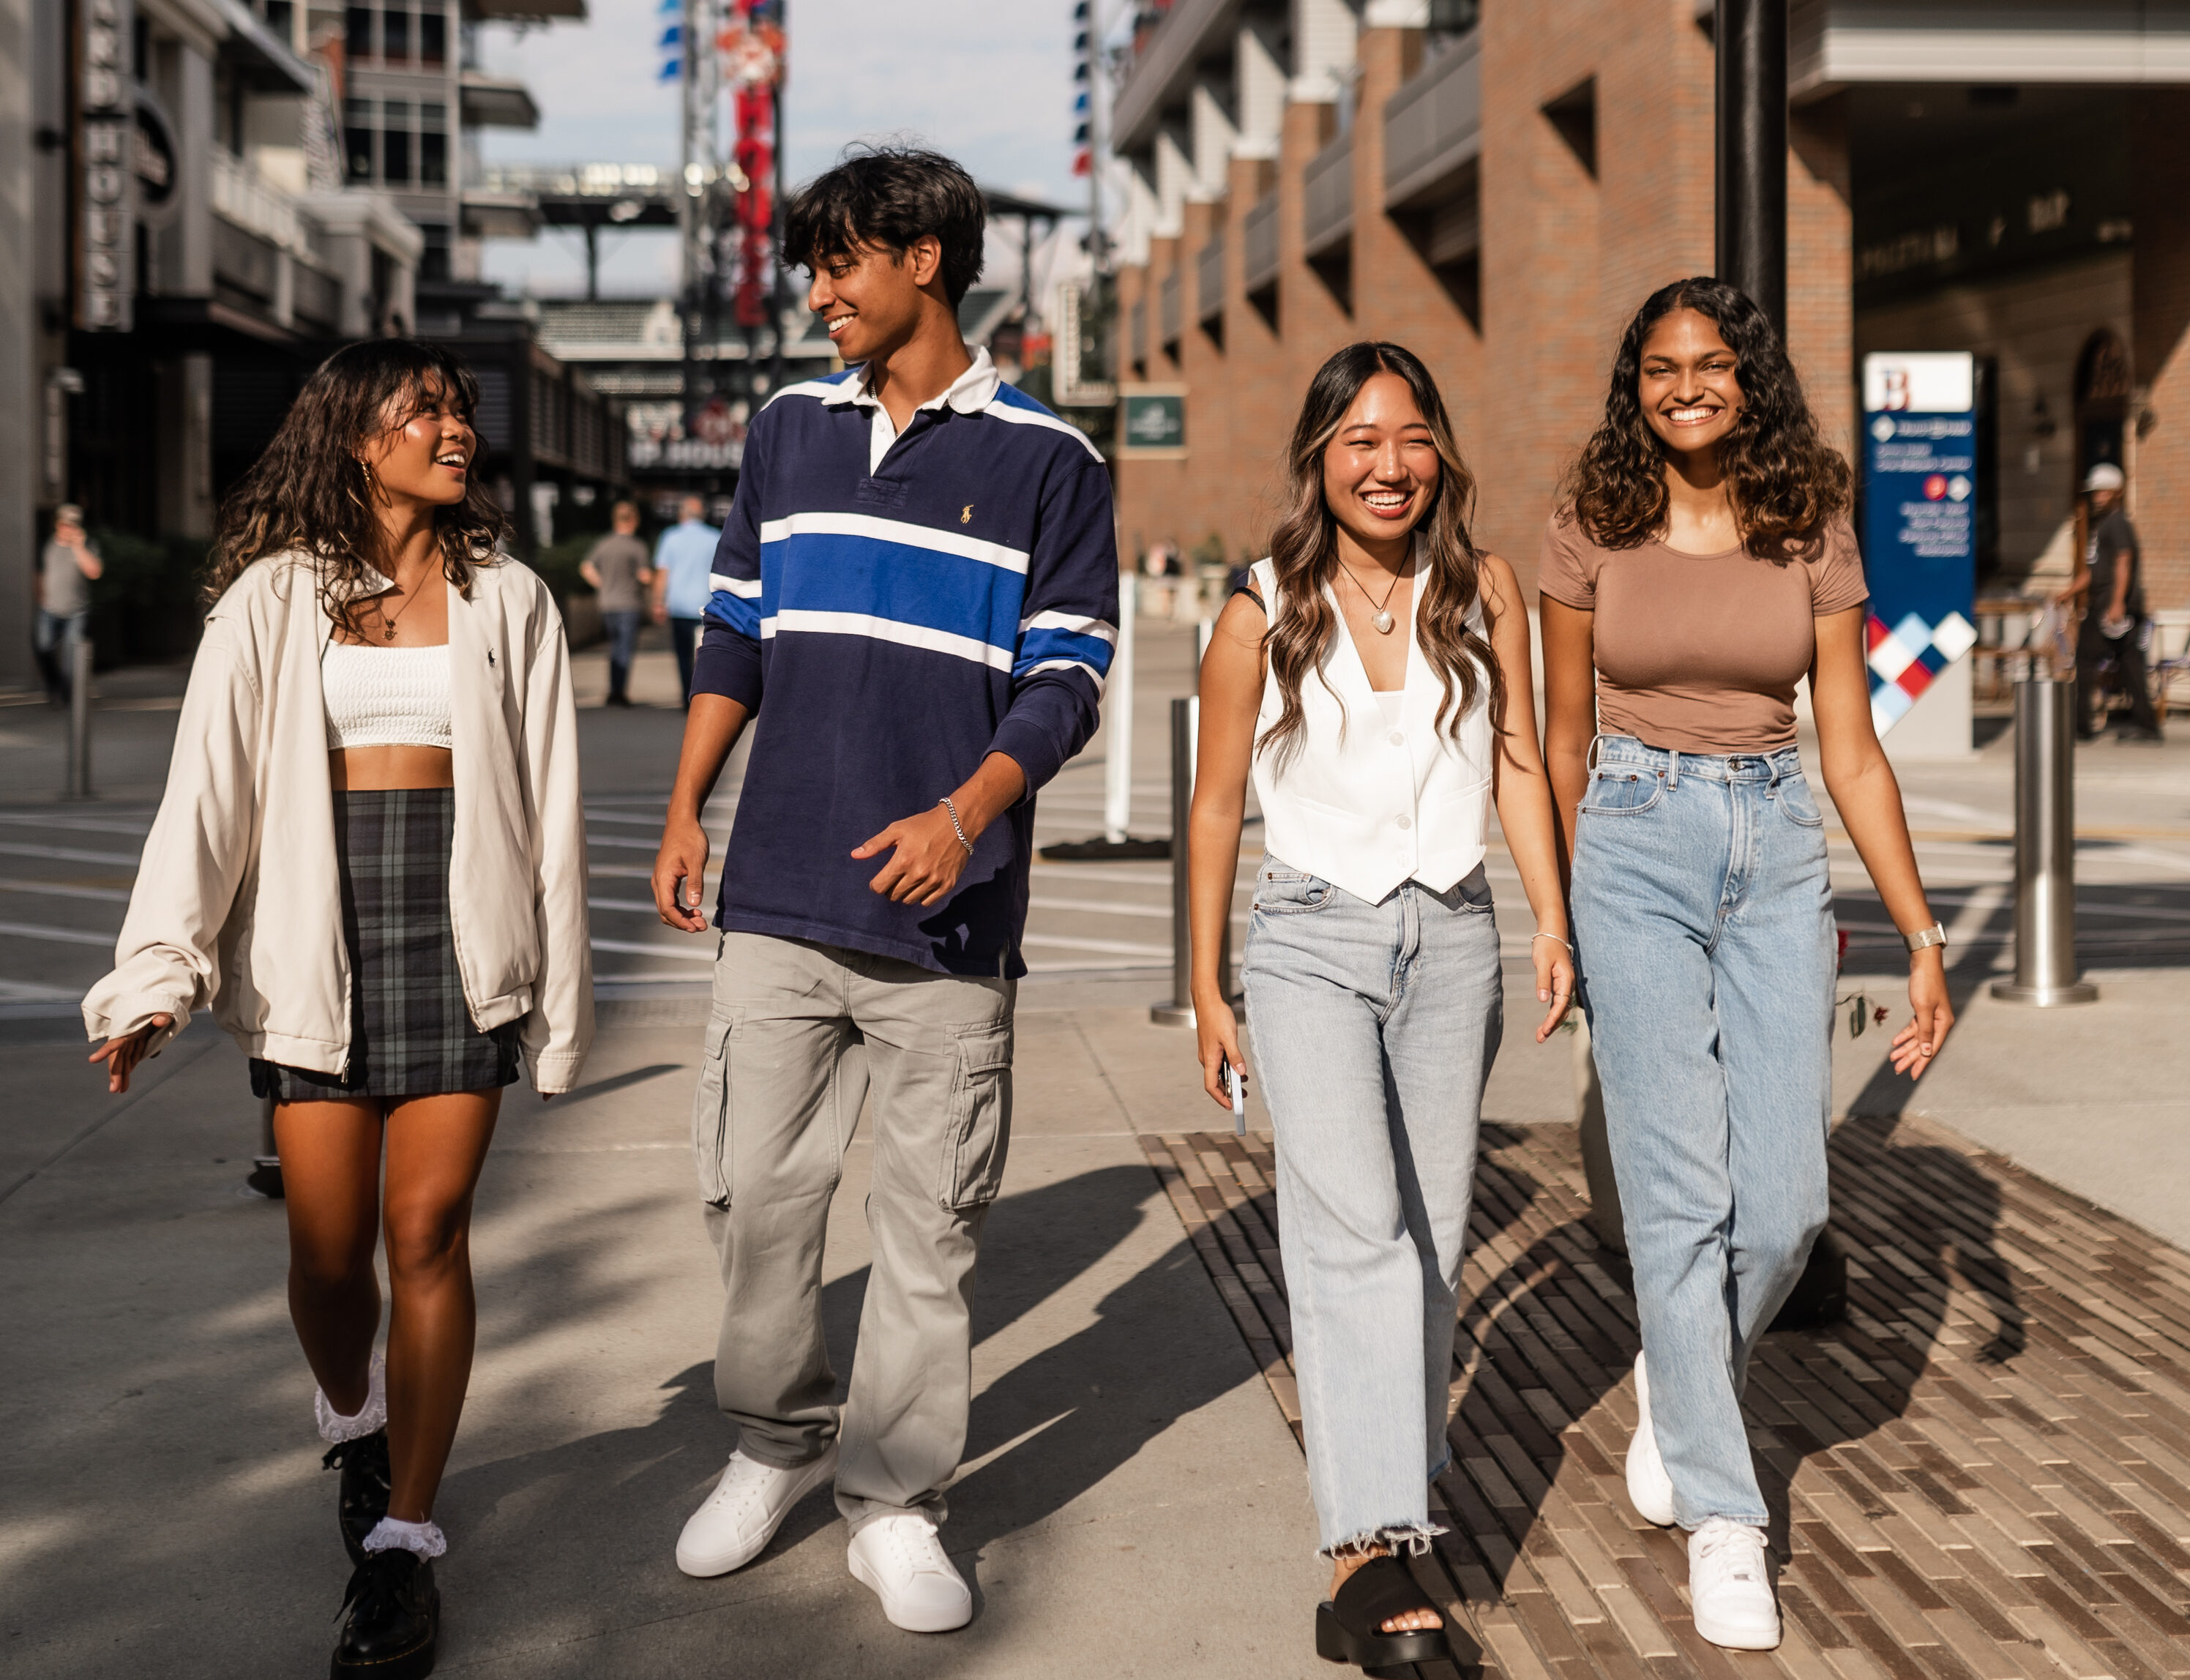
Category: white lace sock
[425,1539]
[335,1428]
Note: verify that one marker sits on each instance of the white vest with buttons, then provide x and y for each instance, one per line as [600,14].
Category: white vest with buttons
[1360,804]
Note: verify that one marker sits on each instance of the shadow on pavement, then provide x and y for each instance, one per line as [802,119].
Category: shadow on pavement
[1049,1429]
[1538,1321]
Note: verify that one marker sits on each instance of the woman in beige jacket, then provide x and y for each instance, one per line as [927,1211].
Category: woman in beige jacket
[370,865]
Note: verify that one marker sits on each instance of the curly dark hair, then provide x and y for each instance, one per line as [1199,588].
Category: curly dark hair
[309,493]
[889,197]
[1304,553]
[1785,479]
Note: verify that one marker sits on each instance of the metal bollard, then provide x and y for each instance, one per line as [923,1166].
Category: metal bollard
[2044,849]
[1185,727]
[79,735]
[1118,690]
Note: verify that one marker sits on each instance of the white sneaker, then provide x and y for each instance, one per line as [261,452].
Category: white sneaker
[900,1559]
[1730,1587]
[743,1513]
[1648,1484]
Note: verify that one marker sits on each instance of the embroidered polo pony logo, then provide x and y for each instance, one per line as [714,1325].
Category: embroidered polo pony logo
[966,518]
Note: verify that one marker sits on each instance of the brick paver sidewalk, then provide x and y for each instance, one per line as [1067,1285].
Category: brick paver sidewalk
[1984,1474]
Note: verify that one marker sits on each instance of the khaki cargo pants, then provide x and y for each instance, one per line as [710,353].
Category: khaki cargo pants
[780,1090]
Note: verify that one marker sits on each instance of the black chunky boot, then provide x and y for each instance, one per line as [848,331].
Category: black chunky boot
[363,1499]
[394,1619]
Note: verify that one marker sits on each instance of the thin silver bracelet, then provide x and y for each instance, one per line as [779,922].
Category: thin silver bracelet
[957,827]
[1554,939]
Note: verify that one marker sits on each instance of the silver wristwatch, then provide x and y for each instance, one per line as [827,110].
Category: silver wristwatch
[1925,937]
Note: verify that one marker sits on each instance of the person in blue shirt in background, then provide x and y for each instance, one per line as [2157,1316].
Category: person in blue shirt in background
[915,604]
[682,559]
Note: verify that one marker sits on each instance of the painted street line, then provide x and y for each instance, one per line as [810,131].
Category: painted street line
[1115,947]
[64,854]
[55,889]
[633,948]
[74,824]
[31,930]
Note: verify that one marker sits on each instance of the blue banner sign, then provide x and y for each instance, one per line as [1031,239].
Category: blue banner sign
[1918,521]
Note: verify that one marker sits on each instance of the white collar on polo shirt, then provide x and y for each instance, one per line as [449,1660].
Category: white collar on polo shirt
[970,393]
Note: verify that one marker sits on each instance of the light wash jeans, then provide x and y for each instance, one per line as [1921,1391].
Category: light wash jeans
[1374,1030]
[1703,929]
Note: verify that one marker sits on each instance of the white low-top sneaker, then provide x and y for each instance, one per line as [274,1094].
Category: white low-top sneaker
[746,1509]
[1648,1484]
[900,1559]
[1730,1587]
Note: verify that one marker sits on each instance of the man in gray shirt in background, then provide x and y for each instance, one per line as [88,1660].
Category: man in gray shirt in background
[618,568]
[2109,578]
[65,578]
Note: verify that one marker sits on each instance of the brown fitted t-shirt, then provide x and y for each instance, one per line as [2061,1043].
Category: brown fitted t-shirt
[1701,653]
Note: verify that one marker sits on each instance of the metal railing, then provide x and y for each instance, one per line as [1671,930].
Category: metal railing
[1433,124]
[1327,196]
[242,196]
[1209,277]
[1258,245]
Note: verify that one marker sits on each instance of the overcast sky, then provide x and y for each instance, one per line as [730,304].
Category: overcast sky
[988,81]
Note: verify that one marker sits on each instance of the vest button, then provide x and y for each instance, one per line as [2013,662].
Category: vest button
[1398,740]
[1406,822]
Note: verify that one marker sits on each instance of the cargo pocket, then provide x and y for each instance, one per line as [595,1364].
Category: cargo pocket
[711,1113]
[978,1135]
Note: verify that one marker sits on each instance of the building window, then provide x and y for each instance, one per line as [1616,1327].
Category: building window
[433,34]
[433,261]
[396,142]
[357,40]
[357,137]
[395,34]
[433,144]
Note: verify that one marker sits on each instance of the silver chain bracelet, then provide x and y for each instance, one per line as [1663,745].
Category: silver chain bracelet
[957,827]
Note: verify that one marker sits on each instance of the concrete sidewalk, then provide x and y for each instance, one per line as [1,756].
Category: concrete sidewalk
[1131,1502]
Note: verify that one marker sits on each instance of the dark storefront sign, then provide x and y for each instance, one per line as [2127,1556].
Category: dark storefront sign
[106,174]
[1918,521]
[1151,423]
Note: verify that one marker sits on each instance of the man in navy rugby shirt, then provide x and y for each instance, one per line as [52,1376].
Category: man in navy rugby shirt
[914,608]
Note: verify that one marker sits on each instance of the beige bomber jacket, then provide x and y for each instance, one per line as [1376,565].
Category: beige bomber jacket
[238,903]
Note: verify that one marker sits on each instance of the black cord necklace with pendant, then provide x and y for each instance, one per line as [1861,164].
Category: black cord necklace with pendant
[388,624]
[1379,616]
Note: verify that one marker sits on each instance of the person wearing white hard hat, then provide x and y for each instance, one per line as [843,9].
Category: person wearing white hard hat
[2108,587]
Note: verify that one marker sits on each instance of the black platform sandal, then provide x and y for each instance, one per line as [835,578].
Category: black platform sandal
[362,1501]
[1350,1628]
[393,1621]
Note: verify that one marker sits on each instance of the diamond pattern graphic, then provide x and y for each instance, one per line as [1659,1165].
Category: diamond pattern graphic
[1890,656]
[1954,636]
[1906,660]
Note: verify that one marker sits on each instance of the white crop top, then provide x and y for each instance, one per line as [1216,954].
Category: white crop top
[385,696]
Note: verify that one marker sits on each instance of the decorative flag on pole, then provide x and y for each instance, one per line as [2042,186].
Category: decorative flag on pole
[751,49]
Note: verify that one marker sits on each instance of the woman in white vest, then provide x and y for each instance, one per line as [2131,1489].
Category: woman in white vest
[1374,678]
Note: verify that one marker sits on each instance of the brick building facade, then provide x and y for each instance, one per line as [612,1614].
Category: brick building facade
[1497,185]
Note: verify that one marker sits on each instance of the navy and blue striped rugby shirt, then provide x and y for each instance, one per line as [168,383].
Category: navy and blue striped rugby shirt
[890,624]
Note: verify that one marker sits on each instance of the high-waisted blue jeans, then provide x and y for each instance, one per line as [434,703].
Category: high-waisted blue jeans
[1374,1029]
[1703,929]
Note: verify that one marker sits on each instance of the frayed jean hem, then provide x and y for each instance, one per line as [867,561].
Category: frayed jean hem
[1414,1537]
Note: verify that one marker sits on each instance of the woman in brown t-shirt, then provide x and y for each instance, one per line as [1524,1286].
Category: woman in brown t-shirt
[1702,566]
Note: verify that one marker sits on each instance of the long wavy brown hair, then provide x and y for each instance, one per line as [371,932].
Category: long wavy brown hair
[1784,480]
[1304,554]
[310,494]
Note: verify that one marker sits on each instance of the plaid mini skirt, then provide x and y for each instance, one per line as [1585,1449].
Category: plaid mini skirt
[410,1033]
